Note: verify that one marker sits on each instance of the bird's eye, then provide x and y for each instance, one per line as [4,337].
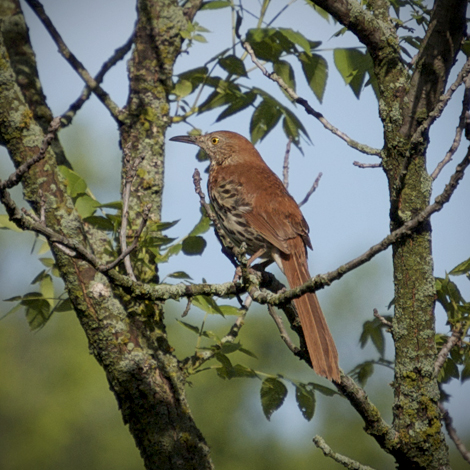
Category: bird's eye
[215,140]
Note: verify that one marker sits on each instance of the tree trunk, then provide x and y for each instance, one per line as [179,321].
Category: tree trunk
[126,336]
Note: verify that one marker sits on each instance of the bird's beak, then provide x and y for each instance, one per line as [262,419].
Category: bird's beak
[187,139]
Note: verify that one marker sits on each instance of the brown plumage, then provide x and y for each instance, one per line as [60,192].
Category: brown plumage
[253,206]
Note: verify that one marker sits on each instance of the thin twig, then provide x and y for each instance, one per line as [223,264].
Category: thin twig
[110,105]
[444,99]
[453,433]
[308,108]
[15,178]
[341,459]
[202,197]
[311,190]
[453,339]
[127,251]
[187,309]
[282,330]
[383,320]
[130,168]
[367,165]
[285,166]
[118,55]
[463,122]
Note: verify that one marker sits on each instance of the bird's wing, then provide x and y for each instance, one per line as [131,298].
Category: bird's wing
[274,212]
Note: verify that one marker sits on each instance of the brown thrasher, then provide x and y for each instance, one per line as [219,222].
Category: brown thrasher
[253,206]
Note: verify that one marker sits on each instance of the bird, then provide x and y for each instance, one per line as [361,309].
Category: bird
[253,206]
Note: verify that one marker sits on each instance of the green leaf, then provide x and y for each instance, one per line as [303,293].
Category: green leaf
[190,327]
[47,289]
[86,206]
[75,183]
[324,14]
[286,72]
[64,306]
[353,65]
[47,262]
[273,393]
[239,103]
[296,38]
[466,47]
[269,43]
[182,88]
[372,329]
[102,223]
[195,76]
[315,69]
[248,353]
[448,371]
[327,391]
[462,268]
[214,5]
[194,245]
[206,304]
[39,277]
[240,371]
[233,65]
[179,275]
[229,310]
[7,224]
[465,375]
[112,205]
[362,372]
[264,119]
[292,126]
[305,400]
[216,99]
[199,38]
[161,226]
[38,310]
[201,227]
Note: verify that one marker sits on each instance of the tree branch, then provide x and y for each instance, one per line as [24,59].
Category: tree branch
[110,105]
[453,433]
[118,55]
[443,101]
[453,339]
[341,459]
[463,124]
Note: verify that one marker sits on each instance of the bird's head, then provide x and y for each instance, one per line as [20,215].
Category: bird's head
[222,147]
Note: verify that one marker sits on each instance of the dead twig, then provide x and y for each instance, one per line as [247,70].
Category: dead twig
[282,330]
[130,168]
[104,97]
[462,125]
[118,55]
[285,166]
[453,433]
[383,320]
[311,190]
[367,165]
[453,339]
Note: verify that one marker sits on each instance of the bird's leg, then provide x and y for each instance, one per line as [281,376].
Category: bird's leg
[238,270]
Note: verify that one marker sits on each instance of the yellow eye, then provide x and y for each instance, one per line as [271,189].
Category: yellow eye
[215,140]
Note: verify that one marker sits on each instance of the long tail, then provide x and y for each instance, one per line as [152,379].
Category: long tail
[320,343]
